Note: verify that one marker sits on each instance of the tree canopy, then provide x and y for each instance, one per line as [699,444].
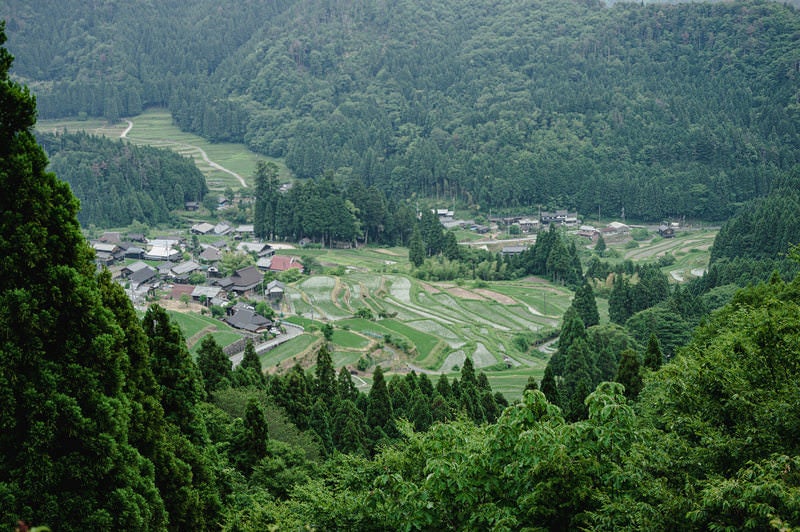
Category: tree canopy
[66,456]
[117,182]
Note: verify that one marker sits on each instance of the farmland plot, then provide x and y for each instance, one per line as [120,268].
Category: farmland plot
[437,329]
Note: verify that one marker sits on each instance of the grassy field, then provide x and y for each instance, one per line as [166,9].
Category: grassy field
[196,326]
[435,324]
[218,161]
[343,339]
[288,351]
[192,323]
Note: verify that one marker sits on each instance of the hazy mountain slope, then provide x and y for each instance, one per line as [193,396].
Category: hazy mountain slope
[661,110]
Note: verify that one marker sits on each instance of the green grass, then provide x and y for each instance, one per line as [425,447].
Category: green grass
[349,340]
[195,327]
[192,323]
[288,349]
[93,126]
[366,259]
[425,343]
[345,358]
[511,382]
[222,338]
[369,328]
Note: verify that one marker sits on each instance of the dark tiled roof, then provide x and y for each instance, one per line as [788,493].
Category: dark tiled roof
[248,320]
[247,278]
[142,275]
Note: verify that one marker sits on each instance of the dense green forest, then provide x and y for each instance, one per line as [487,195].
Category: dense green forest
[118,183]
[109,423]
[663,110]
[753,244]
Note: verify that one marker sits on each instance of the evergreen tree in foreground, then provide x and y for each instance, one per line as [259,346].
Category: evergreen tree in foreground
[629,373]
[653,358]
[250,357]
[325,375]
[248,372]
[379,411]
[214,365]
[66,460]
[250,439]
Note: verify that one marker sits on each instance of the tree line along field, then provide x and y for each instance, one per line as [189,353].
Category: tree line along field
[155,127]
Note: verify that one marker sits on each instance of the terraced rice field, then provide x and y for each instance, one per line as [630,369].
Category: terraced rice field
[195,327]
[446,322]
[442,322]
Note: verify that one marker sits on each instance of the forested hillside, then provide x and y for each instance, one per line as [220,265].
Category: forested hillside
[663,110]
[109,423]
[117,182]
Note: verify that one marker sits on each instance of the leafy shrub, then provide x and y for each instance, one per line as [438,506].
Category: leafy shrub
[521,342]
[364,313]
[363,363]
[640,233]
[289,276]
[666,260]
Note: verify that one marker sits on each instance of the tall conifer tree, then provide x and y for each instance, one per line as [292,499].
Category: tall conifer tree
[214,365]
[585,305]
[549,386]
[577,379]
[326,375]
[345,389]
[416,248]
[653,358]
[629,373]
[250,357]
[379,411]
[176,373]
[572,329]
[267,198]
[250,443]
[65,456]
[248,372]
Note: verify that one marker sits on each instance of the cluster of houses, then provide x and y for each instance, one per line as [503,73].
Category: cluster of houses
[611,230]
[164,265]
[527,224]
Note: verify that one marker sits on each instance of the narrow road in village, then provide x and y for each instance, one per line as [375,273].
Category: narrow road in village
[291,332]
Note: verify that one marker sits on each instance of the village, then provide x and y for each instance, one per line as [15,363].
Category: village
[187,267]
[181,271]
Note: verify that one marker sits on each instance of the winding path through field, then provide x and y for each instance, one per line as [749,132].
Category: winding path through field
[127,129]
[200,150]
[216,165]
